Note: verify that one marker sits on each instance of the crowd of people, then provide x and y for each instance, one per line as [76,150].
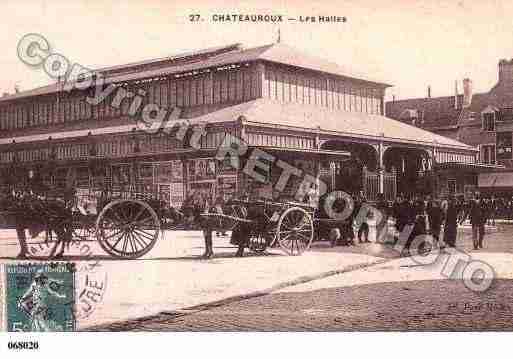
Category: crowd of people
[500,207]
[418,215]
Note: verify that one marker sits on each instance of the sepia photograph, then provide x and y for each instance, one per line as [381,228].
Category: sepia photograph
[255,167]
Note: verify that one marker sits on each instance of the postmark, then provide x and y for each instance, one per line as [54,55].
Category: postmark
[90,276]
[40,297]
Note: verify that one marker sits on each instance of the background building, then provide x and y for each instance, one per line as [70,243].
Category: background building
[484,120]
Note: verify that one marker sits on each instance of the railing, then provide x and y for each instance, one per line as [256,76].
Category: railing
[371,185]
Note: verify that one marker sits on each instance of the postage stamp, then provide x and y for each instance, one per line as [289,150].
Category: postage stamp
[90,276]
[2,299]
[40,297]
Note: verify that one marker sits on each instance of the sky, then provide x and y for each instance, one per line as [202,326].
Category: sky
[408,44]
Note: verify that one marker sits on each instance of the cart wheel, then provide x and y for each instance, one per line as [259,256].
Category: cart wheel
[295,231]
[127,228]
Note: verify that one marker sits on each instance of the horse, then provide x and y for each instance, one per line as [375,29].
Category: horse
[195,211]
[25,210]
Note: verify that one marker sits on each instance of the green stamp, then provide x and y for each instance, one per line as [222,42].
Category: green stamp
[40,297]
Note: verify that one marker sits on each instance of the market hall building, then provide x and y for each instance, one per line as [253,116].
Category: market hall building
[308,112]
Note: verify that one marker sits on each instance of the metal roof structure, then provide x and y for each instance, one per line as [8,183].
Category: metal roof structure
[267,113]
[354,124]
[278,53]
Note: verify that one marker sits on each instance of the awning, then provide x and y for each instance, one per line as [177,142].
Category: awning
[318,154]
[495,180]
[469,167]
[272,115]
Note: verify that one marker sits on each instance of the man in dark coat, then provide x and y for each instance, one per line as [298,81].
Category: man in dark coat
[408,214]
[396,213]
[451,221]
[434,213]
[361,223]
[478,217]
[382,225]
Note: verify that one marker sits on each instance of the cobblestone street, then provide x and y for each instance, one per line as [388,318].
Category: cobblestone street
[415,305]
[395,295]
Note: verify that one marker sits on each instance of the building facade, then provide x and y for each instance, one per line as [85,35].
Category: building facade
[483,120]
[300,109]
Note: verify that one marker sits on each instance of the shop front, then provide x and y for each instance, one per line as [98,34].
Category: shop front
[464,179]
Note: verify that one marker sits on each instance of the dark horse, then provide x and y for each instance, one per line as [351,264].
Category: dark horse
[195,214]
[25,210]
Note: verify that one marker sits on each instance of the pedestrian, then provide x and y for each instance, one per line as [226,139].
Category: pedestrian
[406,217]
[493,210]
[451,222]
[409,214]
[396,213]
[361,218]
[201,204]
[342,232]
[219,205]
[478,218]
[420,222]
[434,213]
[382,224]
[510,208]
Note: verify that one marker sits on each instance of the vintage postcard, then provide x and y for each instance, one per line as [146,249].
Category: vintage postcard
[294,166]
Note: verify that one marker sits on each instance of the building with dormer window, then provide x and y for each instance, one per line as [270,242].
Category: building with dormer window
[483,120]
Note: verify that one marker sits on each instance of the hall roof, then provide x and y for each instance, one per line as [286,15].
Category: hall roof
[291,116]
[278,53]
[353,124]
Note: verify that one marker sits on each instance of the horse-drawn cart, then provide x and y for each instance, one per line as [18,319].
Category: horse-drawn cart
[127,224]
[266,223]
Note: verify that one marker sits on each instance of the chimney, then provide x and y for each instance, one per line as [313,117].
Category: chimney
[429,92]
[467,93]
[506,70]
[456,94]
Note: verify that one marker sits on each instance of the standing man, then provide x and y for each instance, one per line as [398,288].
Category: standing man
[451,222]
[478,217]
[408,218]
[396,213]
[493,209]
[434,214]
[361,223]
[382,225]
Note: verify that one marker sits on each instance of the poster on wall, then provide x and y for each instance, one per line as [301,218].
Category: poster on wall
[227,187]
[177,194]
[504,146]
[121,174]
[146,172]
[203,189]
[165,193]
[171,171]
[226,167]
[202,169]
